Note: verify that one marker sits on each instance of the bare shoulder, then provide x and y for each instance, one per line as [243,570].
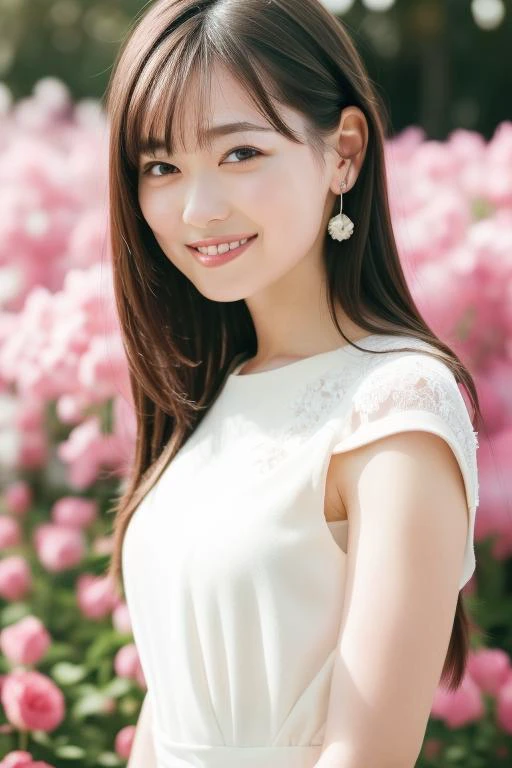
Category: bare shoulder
[401,471]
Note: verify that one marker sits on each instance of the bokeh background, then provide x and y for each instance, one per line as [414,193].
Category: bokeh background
[441,64]
[71,684]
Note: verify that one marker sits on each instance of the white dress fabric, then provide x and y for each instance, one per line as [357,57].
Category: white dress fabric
[233,578]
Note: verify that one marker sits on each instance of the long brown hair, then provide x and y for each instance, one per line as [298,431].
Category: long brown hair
[180,345]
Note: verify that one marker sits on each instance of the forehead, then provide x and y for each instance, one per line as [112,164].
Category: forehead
[211,134]
[205,111]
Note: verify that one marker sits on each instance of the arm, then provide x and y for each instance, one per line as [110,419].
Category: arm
[142,754]
[407,509]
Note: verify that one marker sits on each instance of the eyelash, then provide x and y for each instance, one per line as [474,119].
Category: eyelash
[149,167]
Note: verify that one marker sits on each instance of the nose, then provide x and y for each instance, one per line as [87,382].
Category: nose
[204,203]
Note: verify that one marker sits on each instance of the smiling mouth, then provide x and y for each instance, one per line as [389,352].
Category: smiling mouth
[225,247]
[217,259]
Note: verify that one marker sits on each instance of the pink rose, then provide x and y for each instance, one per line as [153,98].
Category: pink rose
[126,661]
[20,759]
[17,759]
[59,547]
[96,595]
[127,664]
[15,577]
[460,707]
[121,619]
[70,408]
[30,415]
[18,498]
[74,511]
[504,706]
[22,763]
[33,452]
[10,532]
[25,642]
[32,701]
[83,452]
[124,741]
[489,668]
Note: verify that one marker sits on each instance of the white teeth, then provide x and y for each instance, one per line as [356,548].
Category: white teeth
[215,250]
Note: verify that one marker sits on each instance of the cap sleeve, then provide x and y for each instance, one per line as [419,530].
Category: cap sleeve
[416,392]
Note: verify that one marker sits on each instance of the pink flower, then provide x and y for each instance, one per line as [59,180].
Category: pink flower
[15,577]
[17,759]
[10,532]
[496,487]
[96,596]
[121,619]
[70,408]
[83,452]
[20,759]
[88,449]
[124,741]
[18,498]
[74,511]
[25,642]
[32,701]
[103,366]
[30,415]
[489,668]
[33,452]
[127,664]
[59,547]
[460,707]
[504,706]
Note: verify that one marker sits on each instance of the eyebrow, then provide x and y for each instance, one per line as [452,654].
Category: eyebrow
[224,129]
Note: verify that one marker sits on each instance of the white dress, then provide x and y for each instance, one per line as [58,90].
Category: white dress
[234,579]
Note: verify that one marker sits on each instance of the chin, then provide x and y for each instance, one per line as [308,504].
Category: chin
[221,294]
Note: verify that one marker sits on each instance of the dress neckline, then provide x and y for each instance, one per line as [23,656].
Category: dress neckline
[295,365]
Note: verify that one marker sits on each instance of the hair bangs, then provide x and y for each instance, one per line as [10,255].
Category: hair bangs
[174,81]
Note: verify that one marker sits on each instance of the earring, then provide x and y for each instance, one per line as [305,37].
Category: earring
[340,226]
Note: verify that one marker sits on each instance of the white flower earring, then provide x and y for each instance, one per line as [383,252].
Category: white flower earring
[340,226]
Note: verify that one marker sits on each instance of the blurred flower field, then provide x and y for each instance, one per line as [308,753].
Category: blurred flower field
[71,684]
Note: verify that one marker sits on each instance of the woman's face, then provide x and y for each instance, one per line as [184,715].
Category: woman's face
[249,183]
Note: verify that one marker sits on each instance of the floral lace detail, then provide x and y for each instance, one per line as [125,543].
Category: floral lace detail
[381,384]
[311,406]
[318,398]
[417,384]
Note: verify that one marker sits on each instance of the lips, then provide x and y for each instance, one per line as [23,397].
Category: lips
[221,258]
[226,242]
[220,240]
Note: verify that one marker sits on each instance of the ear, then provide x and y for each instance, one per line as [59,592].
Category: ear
[349,141]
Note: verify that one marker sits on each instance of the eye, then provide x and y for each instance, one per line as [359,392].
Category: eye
[245,149]
[147,170]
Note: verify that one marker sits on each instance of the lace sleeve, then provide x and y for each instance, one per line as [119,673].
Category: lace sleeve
[416,392]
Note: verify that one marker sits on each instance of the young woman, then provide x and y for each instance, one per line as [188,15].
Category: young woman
[305,479]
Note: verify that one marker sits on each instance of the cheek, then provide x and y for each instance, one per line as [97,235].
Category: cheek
[289,208]
[157,210]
